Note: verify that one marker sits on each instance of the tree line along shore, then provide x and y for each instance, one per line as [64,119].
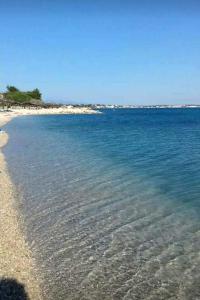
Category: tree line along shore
[15,98]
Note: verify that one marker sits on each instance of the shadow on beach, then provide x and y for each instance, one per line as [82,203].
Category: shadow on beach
[10,289]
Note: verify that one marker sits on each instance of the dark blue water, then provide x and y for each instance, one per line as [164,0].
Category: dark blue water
[111,202]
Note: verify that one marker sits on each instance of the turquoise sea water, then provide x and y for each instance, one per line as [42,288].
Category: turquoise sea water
[111,202]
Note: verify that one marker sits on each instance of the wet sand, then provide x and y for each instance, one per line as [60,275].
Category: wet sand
[16,262]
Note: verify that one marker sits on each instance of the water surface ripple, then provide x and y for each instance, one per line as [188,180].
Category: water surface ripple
[111,202]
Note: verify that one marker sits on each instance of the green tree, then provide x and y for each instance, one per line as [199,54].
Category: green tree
[12,89]
[35,94]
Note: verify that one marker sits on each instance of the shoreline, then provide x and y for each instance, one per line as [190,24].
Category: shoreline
[16,261]
[63,110]
[17,267]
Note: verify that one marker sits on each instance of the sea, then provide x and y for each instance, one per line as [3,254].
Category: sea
[110,202]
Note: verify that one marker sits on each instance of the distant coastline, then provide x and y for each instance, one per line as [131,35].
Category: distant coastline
[15,99]
[118,106]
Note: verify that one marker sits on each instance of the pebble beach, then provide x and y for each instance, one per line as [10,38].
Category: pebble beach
[16,263]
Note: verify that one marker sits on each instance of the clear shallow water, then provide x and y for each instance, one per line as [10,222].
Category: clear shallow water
[111,202]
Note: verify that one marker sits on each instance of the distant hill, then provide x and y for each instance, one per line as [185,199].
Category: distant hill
[13,96]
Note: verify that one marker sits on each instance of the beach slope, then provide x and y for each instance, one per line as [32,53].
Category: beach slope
[16,263]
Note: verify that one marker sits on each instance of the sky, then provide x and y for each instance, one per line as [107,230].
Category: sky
[102,51]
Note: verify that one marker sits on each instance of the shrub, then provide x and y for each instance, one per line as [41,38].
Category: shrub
[18,97]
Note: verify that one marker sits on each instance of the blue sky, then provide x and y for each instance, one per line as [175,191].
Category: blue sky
[127,52]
